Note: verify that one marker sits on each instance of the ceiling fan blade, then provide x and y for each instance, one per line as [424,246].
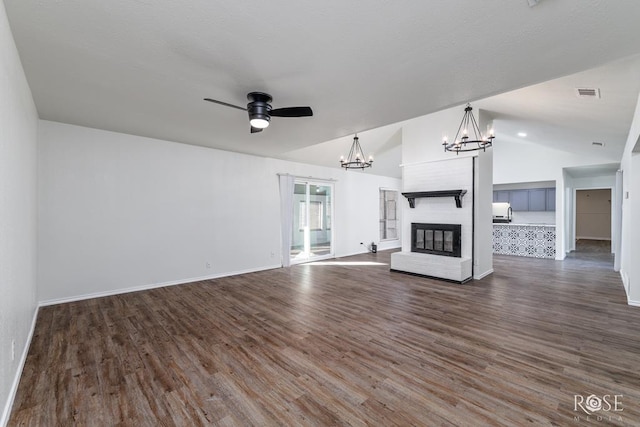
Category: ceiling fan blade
[292,112]
[225,104]
[254,130]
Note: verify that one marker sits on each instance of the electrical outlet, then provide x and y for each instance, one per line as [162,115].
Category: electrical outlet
[208,265]
[273,254]
[13,350]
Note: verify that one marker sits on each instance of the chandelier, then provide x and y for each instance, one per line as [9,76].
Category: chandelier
[355,160]
[463,141]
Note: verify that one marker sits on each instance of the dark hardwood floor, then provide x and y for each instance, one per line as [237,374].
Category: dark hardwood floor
[593,246]
[342,343]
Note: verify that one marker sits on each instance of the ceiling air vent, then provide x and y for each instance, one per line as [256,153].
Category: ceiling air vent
[597,144]
[588,92]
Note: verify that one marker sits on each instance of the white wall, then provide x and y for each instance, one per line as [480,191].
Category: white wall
[358,198]
[18,131]
[630,165]
[568,231]
[519,161]
[534,217]
[483,215]
[599,181]
[122,212]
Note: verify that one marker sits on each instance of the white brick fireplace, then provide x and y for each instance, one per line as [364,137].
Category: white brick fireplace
[444,176]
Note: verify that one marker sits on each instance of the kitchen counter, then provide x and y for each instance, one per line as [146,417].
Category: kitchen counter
[529,240]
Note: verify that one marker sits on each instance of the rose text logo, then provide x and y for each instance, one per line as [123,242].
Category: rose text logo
[593,403]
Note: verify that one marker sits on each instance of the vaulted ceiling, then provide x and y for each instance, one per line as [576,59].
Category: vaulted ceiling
[143,66]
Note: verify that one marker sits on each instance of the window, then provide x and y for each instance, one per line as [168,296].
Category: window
[315,216]
[388,215]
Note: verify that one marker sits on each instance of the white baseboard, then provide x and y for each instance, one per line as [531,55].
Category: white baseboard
[592,238]
[6,413]
[482,275]
[363,251]
[625,282]
[625,285]
[151,286]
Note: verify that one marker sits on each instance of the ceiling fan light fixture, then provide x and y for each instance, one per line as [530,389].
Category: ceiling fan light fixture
[260,111]
[259,122]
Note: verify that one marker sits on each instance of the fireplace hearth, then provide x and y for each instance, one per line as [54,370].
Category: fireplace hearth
[436,239]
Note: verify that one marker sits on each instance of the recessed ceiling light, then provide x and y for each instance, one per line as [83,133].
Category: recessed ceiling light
[522,134]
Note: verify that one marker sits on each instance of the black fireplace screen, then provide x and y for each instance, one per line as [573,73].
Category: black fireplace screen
[437,239]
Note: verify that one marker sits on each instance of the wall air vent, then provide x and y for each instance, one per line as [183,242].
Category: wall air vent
[588,92]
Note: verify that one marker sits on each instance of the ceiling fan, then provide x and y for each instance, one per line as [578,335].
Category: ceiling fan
[260,111]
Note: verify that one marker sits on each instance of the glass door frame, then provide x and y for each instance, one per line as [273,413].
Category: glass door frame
[306,238]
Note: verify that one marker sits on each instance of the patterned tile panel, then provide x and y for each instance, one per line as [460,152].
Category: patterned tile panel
[537,241]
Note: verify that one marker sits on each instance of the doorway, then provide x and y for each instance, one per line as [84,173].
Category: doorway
[312,233]
[593,220]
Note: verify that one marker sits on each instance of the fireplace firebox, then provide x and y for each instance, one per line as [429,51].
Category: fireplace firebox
[436,239]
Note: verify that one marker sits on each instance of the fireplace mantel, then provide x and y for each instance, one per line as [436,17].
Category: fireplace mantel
[456,194]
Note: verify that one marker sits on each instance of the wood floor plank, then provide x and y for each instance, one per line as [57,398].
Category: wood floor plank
[345,343]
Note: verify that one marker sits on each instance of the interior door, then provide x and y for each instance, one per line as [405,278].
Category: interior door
[312,234]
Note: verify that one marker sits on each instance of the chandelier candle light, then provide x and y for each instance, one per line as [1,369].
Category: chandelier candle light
[356,157]
[462,141]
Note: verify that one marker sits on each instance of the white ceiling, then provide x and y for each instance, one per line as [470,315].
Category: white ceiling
[142,67]
[552,114]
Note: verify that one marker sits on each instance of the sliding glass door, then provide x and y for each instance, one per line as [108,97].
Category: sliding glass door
[312,233]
